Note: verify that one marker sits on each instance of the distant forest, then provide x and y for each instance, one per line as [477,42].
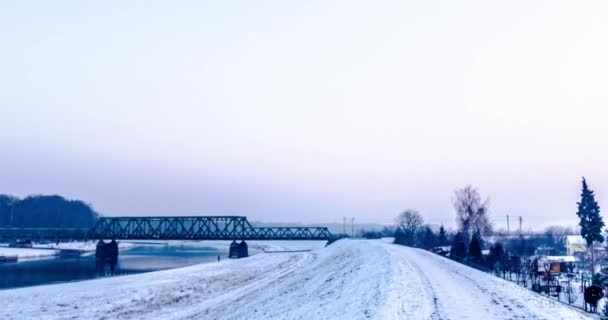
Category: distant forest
[45,212]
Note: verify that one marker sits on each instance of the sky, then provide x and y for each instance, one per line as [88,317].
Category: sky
[306,111]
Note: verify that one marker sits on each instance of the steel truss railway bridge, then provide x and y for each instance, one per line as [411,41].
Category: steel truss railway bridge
[169,228]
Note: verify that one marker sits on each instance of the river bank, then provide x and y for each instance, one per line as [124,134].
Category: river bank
[48,250]
[41,266]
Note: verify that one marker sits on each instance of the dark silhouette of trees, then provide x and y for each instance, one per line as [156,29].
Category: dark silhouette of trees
[471,212]
[6,208]
[408,223]
[371,234]
[496,255]
[554,239]
[590,220]
[523,246]
[400,237]
[442,238]
[475,246]
[459,249]
[429,239]
[45,212]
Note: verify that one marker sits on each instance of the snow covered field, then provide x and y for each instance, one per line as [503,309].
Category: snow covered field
[351,279]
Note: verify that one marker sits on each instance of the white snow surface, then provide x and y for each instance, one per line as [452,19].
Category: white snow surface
[81,245]
[275,245]
[350,279]
[52,249]
[27,253]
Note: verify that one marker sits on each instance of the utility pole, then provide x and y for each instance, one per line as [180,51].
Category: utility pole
[508,231]
[520,222]
[352,222]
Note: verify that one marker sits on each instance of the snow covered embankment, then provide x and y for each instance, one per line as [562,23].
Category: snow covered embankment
[354,279]
[451,290]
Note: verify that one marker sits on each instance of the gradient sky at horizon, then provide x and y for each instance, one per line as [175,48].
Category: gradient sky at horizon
[306,111]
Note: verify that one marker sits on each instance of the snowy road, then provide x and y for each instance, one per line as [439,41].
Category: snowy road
[452,291]
[355,279]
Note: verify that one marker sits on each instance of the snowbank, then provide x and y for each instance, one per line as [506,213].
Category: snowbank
[27,253]
[350,279]
[81,245]
[52,249]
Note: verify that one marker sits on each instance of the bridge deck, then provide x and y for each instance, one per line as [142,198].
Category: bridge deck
[171,228]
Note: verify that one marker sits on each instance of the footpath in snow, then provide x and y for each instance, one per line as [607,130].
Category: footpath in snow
[351,279]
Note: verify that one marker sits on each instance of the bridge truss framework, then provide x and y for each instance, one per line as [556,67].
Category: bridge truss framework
[171,228]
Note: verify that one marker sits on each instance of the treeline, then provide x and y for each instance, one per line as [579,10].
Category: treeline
[472,218]
[411,231]
[375,234]
[504,250]
[42,211]
[467,242]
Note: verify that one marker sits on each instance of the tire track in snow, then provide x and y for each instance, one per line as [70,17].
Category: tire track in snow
[410,275]
[438,313]
[210,307]
[465,293]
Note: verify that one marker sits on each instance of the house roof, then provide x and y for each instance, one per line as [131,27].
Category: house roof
[576,240]
[561,258]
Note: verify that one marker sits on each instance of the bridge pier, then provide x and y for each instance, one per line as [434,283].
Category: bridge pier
[238,250]
[106,253]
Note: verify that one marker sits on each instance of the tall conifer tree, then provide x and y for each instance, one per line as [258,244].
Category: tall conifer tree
[591,221]
[459,249]
[475,246]
[443,237]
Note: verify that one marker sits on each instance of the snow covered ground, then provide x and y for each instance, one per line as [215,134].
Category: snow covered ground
[81,245]
[52,249]
[256,245]
[27,253]
[351,279]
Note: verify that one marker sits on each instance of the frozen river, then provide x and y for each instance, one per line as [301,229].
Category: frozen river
[138,259]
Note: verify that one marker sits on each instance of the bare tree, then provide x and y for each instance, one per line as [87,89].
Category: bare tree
[471,212]
[408,222]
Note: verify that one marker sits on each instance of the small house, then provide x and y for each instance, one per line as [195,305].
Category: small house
[575,244]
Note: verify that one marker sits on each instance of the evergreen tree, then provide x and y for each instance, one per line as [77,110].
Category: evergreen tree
[429,238]
[399,236]
[475,246]
[442,240]
[496,255]
[459,249]
[591,222]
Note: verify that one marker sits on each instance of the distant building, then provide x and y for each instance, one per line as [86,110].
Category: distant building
[575,244]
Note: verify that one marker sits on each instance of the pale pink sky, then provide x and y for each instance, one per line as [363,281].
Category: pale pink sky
[290,111]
